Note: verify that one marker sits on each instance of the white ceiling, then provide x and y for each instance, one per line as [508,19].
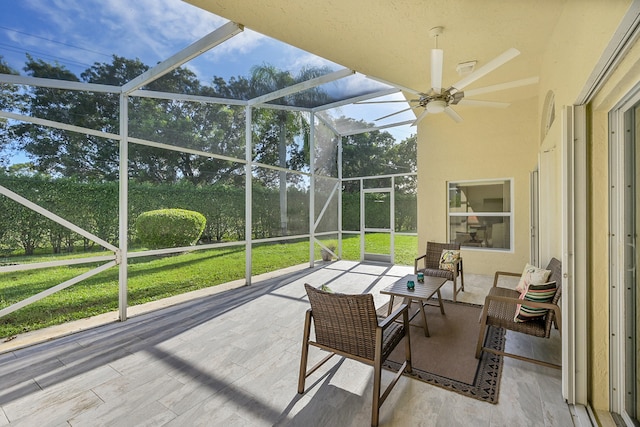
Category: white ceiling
[390,39]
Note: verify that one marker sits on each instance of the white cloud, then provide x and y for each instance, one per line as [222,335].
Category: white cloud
[359,83]
[151,30]
[298,59]
[78,33]
[242,44]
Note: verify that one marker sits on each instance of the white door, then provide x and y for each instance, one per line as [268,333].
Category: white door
[377,232]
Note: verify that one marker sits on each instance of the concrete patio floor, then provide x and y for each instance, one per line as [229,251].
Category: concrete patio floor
[231,358]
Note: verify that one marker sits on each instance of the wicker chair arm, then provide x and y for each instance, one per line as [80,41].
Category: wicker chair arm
[516,301]
[393,316]
[503,273]
[533,304]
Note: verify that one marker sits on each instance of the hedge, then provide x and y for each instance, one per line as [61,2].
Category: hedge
[93,206]
[170,228]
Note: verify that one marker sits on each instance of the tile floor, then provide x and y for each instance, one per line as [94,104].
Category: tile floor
[232,359]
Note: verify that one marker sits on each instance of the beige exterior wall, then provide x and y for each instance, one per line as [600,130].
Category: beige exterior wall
[506,144]
[624,78]
[576,48]
[484,146]
[574,52]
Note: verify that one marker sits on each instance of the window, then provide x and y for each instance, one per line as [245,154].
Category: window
[480,213]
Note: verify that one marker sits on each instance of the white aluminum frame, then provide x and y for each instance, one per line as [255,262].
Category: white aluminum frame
[133,89]
[390,229]
[617,272]
[510,214]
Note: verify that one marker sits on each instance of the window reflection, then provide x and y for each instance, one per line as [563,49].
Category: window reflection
[480,213]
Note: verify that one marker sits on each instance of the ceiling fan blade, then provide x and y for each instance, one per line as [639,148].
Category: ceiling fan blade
[393,114]
[451,113]
[496,62]
[420,117]
[437,56]
[502,86]
[479,103]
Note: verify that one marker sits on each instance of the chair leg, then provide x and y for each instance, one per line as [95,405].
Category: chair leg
[375,404]
[483,327]
[305,352]
[407,341]
[455,286]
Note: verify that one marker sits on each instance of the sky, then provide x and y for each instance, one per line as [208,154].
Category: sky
[79,33]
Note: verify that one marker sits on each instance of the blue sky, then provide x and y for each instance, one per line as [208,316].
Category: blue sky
[78,33]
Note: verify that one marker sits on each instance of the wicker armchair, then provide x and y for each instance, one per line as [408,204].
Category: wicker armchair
[500,309]
[431,265]
[348,325]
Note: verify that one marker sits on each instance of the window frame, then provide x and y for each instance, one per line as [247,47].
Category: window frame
[507,214]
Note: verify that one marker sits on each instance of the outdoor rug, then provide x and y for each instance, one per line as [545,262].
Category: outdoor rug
[447,358]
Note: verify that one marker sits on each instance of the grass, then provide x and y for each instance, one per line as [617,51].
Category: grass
[153,278]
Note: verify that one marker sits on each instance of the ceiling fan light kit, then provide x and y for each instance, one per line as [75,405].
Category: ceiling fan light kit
[436,106]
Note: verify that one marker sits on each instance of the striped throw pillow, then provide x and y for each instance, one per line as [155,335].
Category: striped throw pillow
[538,293]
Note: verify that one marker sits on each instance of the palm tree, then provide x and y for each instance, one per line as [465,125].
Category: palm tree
[266,79]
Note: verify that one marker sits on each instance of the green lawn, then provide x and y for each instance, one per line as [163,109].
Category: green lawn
[153,278]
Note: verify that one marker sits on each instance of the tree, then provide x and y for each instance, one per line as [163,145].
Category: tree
[276,129]
[205,127]
[403,158]
[10,100]
[376,153]
[56,151]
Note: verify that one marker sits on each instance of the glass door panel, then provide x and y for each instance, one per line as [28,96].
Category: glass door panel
[631,297]
[377,210]
[377,242]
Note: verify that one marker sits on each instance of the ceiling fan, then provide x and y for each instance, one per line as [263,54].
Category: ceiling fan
[437,100]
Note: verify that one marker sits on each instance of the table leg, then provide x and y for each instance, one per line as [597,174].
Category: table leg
[390,308]
[440,302]
[424,319]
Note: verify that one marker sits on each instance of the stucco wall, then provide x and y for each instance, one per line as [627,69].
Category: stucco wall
[582,33]
[502,144]
[550,177]
[488,144]
[624,78]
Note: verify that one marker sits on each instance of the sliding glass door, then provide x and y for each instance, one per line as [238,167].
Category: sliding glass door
[625,298]
[631,294]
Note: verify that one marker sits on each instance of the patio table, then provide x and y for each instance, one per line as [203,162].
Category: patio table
[422,293]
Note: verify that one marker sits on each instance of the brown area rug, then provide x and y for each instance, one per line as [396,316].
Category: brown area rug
[447,358]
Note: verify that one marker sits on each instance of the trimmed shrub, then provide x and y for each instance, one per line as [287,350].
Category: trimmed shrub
[169,228]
